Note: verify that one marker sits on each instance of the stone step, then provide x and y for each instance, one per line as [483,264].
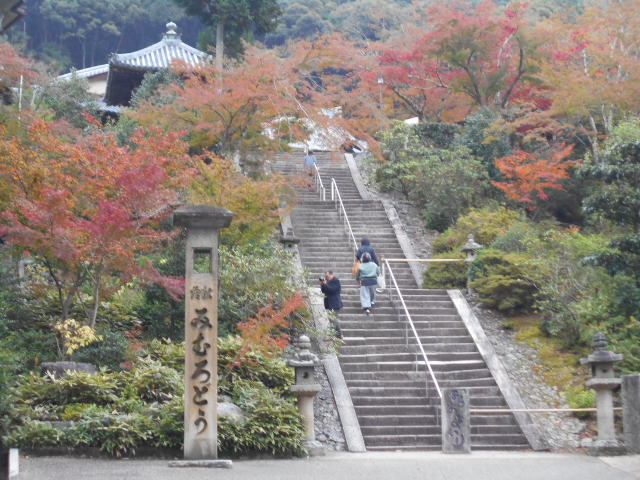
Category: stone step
[347,349]
[422,332]
[400,410]
[395,399]
[375,339]
[410,357]
[402,440]
[396,420]
[450,366]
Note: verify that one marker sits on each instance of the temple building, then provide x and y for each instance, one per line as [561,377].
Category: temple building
[115,82]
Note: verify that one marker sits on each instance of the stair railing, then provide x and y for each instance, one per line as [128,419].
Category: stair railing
[342,213]
[413,328]
[319,185]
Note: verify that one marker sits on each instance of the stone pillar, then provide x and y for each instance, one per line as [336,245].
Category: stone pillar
[456,421]
[305,389]
[631,412]
[604,383]
[202,223]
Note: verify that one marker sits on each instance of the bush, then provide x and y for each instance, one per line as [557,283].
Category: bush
[446,275]
[273,424]
[153,382]
[77,387]
[486,224]
[33,434]
[503,280]
[578,397]
[272,372]
[168,353]
[109,352]
[121,411]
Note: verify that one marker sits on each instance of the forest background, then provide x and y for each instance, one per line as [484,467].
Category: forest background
[528,137]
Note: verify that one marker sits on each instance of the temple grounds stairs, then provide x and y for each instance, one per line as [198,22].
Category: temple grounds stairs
[396,404]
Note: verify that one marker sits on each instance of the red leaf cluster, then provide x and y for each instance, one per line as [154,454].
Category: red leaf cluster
[528,177]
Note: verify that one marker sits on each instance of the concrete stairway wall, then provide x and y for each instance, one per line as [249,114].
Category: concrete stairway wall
[395,402]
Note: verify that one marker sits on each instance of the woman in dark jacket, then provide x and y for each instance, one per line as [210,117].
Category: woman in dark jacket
[331,288]
[367,248]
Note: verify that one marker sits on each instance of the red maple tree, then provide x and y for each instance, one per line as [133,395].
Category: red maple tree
[86,209]
[528,177]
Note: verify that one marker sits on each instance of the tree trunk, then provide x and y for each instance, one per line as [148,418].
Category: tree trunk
[96,302]
[593,139]
[219,45]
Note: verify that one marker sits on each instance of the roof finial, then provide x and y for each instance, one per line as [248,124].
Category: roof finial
[171,30]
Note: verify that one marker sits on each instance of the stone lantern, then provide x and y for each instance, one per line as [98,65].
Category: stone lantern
[289,239]
[305,388]
[471,250]
[604,383]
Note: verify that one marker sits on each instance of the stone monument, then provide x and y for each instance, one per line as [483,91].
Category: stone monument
[456,426]
[202,223]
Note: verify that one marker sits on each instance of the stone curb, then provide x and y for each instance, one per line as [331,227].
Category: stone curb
[508,390]
[403,239]
[357,177]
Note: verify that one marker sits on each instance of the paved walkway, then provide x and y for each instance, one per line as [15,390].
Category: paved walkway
[351,466]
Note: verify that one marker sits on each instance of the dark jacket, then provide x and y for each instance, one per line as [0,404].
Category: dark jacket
[366,247]
[331,290]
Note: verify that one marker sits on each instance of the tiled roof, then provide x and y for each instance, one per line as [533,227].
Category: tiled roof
[86,72]
[160,55]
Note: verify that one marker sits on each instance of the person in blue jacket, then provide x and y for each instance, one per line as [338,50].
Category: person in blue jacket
[330,286]
[367,248]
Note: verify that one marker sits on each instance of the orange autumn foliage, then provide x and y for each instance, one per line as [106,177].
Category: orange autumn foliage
[528,177]
[267,331]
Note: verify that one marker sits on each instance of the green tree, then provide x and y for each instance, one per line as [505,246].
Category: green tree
[443,183]
[233,19]
[484,141]
[616,194]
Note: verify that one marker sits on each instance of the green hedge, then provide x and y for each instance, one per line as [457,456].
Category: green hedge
[119,412]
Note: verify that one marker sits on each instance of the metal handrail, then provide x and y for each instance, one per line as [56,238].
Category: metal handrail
[319,185]
[342,213]
[426,260]
[413,328]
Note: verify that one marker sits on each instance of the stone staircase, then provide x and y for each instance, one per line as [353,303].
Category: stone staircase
[395,401]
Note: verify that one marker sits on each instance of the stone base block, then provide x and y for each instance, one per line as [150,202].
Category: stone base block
[314,448]
[201,463]
[607,448]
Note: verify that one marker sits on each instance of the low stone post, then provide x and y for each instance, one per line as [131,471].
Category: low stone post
[456,421]
[471,249]
[202,223]
[631,412]
[604,383]
[305,389]
[288,239]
